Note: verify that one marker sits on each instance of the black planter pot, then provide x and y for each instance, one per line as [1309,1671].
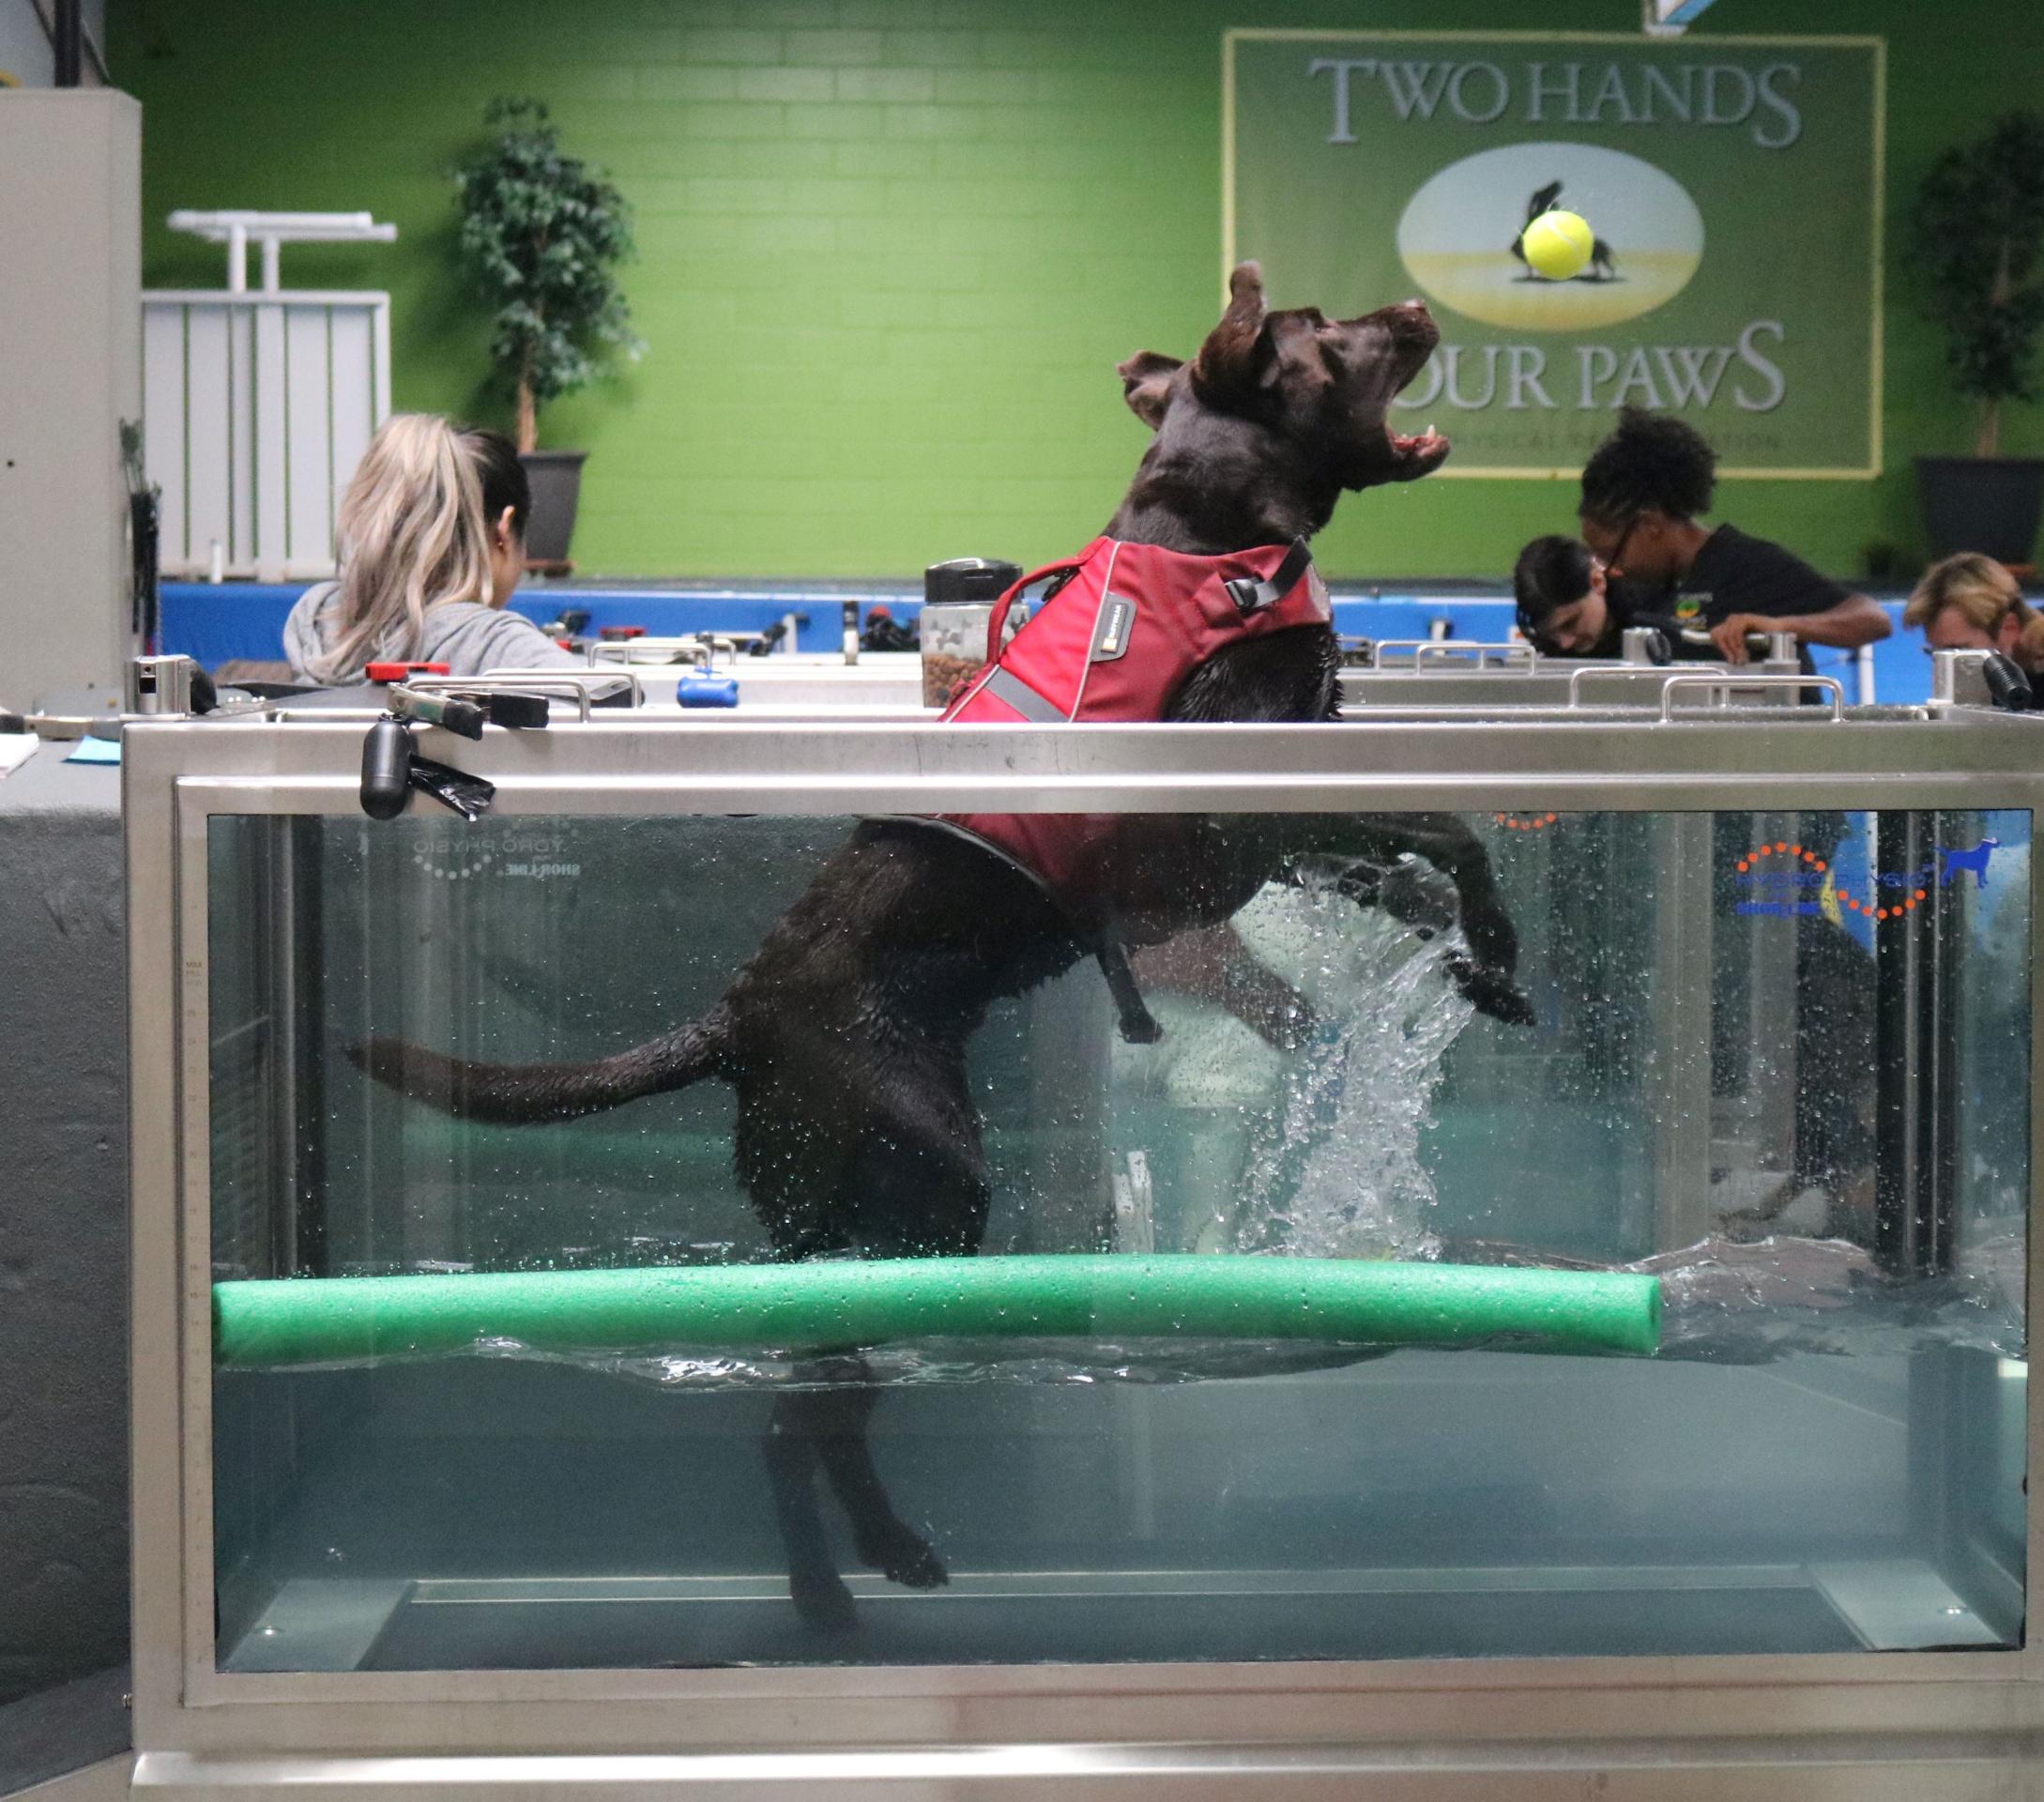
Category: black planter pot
[556,477]
[1986,504]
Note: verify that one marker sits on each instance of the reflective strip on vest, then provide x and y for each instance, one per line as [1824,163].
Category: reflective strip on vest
[1005,685]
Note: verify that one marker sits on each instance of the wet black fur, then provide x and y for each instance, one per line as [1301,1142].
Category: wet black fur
[845,1037]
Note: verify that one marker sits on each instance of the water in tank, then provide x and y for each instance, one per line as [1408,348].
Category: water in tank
[1780,1060]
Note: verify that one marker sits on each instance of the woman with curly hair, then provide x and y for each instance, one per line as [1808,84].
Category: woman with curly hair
[1642,491]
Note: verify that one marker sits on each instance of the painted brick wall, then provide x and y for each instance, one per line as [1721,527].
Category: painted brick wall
[892,248]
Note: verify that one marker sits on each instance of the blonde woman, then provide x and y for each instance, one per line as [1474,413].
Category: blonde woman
[431,543]
[1971,603]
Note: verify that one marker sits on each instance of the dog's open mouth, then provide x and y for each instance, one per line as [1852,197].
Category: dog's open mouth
[1417,455]
[1416,335]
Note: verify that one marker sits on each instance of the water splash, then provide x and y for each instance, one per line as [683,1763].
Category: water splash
[1729,1302]
[1335,1172]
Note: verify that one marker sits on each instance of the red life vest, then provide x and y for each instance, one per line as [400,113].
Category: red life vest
[1115,640]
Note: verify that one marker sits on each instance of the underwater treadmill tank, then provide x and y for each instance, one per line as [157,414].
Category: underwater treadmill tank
[1780,1064]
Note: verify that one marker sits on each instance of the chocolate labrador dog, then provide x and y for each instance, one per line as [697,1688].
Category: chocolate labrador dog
[845,1034]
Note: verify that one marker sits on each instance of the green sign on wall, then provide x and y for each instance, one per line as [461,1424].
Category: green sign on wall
[1733,185]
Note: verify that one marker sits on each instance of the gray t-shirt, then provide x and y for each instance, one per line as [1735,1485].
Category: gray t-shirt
[467,636]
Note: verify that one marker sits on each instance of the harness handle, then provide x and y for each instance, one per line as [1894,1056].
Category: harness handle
[1251,596]
[997,620]
[1138,1025]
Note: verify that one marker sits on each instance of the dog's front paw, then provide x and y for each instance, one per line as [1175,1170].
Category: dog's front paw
[1492,991]
[903,1557]
[1419,896]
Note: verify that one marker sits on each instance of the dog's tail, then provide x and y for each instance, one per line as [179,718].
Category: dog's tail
[522,1094]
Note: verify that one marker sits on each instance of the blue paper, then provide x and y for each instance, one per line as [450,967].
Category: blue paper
[96,751]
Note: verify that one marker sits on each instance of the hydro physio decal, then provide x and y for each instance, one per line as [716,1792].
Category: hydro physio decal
[1784,879]
[527,852]
[1361,166]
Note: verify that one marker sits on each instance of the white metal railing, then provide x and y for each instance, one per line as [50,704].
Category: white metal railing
[256,407]
[238,228]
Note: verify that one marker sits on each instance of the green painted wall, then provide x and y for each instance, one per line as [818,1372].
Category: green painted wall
[891,250]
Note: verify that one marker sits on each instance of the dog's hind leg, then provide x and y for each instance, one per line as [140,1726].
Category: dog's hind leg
[883,1540]
[792,1447]
[823,1426]
[788,1177]
[916,1188]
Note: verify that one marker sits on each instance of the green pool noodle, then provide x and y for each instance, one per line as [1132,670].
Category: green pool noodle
[838,1304]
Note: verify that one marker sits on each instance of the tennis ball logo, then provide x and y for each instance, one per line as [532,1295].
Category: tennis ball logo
[1558,244]
[1552,237]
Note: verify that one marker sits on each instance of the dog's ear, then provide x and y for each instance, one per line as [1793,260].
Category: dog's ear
[1227,364]
[1254,348]
[1146,383]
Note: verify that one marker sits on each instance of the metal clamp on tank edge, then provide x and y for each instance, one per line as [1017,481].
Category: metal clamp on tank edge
[392,766]
[1981,679]
[1645,645]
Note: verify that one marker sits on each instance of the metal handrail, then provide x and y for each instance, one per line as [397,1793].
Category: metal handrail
[700,646]
[1711,679]
[1444,648]
[529,681]
[621,652]
[1523,656]
[1629,672]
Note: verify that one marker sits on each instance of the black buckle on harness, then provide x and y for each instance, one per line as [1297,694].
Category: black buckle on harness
[1251,596]
[1138,1025]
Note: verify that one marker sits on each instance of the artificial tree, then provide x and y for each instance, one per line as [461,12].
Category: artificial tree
[542,234]
[1978,245]
[1980,235]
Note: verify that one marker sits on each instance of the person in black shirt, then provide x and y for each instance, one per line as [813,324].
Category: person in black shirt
[1570,606]
[1642,492]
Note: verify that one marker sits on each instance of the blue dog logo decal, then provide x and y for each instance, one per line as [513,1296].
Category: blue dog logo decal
[1975,859]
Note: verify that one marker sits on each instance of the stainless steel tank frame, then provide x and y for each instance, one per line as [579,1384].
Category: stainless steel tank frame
[1536,689]
[1750,1724]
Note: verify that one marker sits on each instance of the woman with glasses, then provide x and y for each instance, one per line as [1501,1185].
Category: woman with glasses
[1642,491]
[1971,603]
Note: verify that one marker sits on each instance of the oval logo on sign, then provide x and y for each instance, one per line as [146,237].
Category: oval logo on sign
[1459,234]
